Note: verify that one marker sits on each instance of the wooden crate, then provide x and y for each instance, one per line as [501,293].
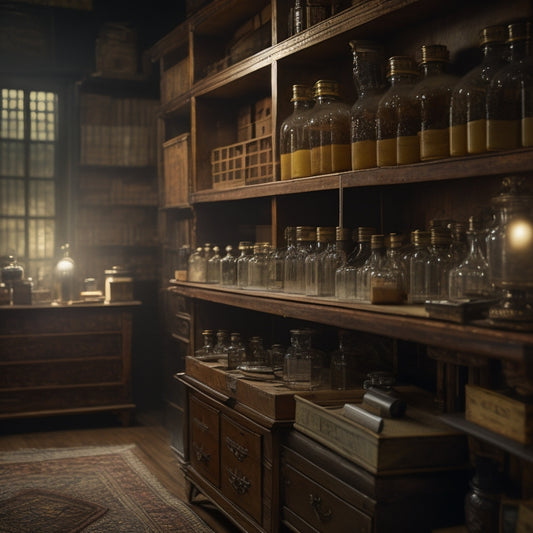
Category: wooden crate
[227,166]
[177,173]
[259,167]
[175,80]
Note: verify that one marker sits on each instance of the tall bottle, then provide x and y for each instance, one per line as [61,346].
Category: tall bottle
[329,130]
[314,262]
[418,258]
[64,272]
[302,368]
[433,94]
[369,81]
[295,262]
[258,267]
[439,264]
[197,267]
[294,149]
[246,249]
[213,266]
[468,121]
[397,120]
[510,95]
[228,269]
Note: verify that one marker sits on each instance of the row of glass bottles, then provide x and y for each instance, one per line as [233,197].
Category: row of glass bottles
[426,113]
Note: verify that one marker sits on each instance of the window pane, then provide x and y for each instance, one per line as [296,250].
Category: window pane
[12,114]
[11,158]
[42,160]
[41,198]
[41,238]
[12,197]
[12,236]
[42,116]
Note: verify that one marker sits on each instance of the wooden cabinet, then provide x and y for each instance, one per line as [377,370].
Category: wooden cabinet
[208,109]
[66,359]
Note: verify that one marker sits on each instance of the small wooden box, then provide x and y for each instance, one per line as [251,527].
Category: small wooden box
[500,413]
[176,158]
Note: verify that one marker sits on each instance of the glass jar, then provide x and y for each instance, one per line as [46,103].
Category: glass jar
[433,94]
[277,354]
[295,260]
[236,351]
[197,268]
[258,267]
[470,278]
[439,264]
[510,253]
[510,95]
[294,149]
[302,368]
[314,262]
[64,275]
[369,82]
[207,350]
[468,120]
[257,355]
[222,343]
[329,130]
[397,121]
[417,267]
[213,266]
[246,249]
[228,269]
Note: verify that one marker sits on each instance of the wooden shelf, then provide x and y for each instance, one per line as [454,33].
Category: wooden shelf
[458,421]
[405,322]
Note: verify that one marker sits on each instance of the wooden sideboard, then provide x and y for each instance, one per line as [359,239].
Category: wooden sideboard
[66,359]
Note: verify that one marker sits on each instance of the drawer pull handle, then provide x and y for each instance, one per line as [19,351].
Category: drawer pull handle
[201,456]
[322,514]
[203,427]
[240,483]
[240,452]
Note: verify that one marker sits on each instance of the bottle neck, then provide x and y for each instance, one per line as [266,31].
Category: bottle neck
[520,49]
[301,105]
[494,50]
[433,68]
[402,79]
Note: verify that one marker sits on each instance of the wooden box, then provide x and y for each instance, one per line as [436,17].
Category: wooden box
[176,157]
[416,441]
[499,413]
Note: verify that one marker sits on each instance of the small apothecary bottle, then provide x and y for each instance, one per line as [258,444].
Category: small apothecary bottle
[246,250]
[207,350]
[197,267]
[228,269]
[302,369]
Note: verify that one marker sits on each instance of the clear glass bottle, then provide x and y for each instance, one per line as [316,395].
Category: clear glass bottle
[228,269]
[417,267]
[213,266]
[246,250]
[468,120]
[510,95]
[368,271]
[459,242]
[397,120]
[294,149]
[433,94]
[257,355]
[387,281]
[222,343]
[332,259]
[470,278]
[207,350]
[277,354]
[295,261]
[439,264]
[329,130]
[314,261]
[197,268]
[258,267]
[302,368]
[342,366]
[369,82]
[236,351]
[64,273]
[275,269]
[343,242]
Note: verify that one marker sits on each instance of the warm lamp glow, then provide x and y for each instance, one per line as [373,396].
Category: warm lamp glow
[520,234]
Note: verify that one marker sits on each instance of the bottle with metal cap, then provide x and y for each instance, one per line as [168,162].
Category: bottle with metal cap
[295,262]
[397,117]
[433,93]
[258,267]
[294,149]
[207,350]
[228,269]
[213,266]
[246,249]
[329,130]
[369,81]
[510,95]
[439,264]
[468,121]
[417,260]
[314,262]
[197,266]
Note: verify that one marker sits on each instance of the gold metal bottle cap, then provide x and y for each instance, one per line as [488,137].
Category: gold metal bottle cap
[301,92]
[364,233]
[343,234]
[434,53]
[420,237]
[440,236]
[401,65]
[493,34]
[305,233]
[325,234]
[377,241]
[326,88]
[519,31]
[395,240]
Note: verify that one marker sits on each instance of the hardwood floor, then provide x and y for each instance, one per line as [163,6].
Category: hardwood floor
[147,432]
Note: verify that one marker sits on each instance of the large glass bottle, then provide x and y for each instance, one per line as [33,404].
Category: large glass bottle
[418,258]
[368,279]
[510,95]
[397,120]
[228,269]
[470,278]
[294,149]
[258,267]
[246,250]
[329,130]
[302,368]
[468,121]
[433,94]
[295,262]
[314,261]
[369,82]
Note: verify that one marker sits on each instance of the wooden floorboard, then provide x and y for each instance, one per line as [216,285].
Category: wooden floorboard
[147,431]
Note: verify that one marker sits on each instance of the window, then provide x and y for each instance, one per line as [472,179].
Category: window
[28,178]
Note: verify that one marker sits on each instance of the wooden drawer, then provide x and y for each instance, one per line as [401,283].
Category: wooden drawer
[204,431]
[318,507]
[241,466]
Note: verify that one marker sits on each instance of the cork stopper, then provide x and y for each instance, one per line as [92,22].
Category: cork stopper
[519,31]
[301,92]
[436,53]
[305,233]
[377,241]
[493,34]
[325,234]
[365,233]
[401,65]
[326,88]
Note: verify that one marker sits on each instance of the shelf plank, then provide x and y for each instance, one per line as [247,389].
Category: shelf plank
[458,421]
[490,164]
[405,322]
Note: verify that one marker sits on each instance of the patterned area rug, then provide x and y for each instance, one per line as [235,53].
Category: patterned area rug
[95,489]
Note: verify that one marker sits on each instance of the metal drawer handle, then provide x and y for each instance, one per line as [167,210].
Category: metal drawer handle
[203,427]
[201,456]
[240,452]
[321,514]
[240,483]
